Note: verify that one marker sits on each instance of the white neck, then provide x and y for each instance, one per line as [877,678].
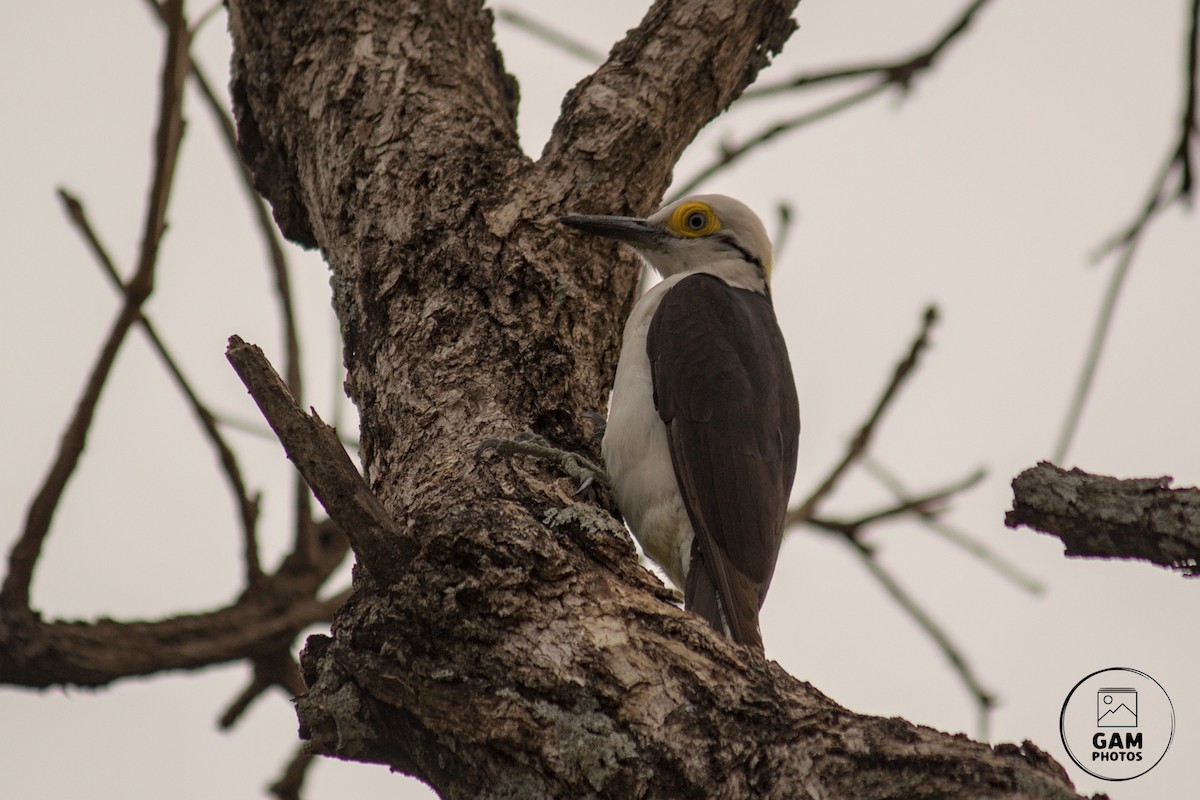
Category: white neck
[736,272]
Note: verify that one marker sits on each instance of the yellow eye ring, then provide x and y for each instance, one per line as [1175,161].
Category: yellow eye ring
[693,220]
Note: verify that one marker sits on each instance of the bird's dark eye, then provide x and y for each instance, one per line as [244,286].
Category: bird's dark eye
[697,220]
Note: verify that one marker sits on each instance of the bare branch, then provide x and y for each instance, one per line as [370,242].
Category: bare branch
[1101,517]
[983,698]
[316,451]
[262,215]
[302,504]
[851,533]
[24,554]
[273,669]
[900,74]
[954,535]
[40,654]
[1126,242]
[730,155]
[858,446]
[305,526]
[247,506]
[926,505]
[166,146]
[289,785]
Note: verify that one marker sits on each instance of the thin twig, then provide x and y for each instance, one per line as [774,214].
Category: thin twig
[568,44]
[900,74]
[858,446]
[1091,361]
[305,527]
[247,506]
[275,669]
[983,698]
[262,216]
[267,228]
[25,553]
[203,19]
[925,505]
[952,534]
[167,140]
[73,208]
[731,154]
[290,784]
[1126,242]
[905,68]
[787,219]
[807,80]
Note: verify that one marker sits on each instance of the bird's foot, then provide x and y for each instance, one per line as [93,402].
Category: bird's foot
[527,443]
[601,425]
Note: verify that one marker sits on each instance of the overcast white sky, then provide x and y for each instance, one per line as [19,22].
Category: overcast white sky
[983,191]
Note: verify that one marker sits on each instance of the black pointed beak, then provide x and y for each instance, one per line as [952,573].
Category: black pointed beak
[631,230]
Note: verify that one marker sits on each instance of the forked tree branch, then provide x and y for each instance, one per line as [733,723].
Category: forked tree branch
[247,505]
[14,595]
[899,74]
[949,533]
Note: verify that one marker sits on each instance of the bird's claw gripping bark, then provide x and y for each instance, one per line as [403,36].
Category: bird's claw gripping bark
[527,443]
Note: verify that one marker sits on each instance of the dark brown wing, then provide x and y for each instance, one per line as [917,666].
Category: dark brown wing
[723,385]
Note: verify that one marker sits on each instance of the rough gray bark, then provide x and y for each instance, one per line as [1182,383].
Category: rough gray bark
[1100,517]
[520,651]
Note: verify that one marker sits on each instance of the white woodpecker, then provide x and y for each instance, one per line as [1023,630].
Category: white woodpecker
[704,423]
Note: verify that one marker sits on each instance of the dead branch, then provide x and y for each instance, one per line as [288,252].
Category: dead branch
[319,456]
[921,506]
[273,669]
[1096,516]
[38,654]
[291,782]
[850,532]
[730,154]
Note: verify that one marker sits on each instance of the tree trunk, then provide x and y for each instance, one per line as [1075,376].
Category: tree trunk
[517,649]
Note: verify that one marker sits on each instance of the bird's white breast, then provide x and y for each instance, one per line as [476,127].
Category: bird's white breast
[636,453]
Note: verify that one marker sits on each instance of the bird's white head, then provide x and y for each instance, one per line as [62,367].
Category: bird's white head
[704,232]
